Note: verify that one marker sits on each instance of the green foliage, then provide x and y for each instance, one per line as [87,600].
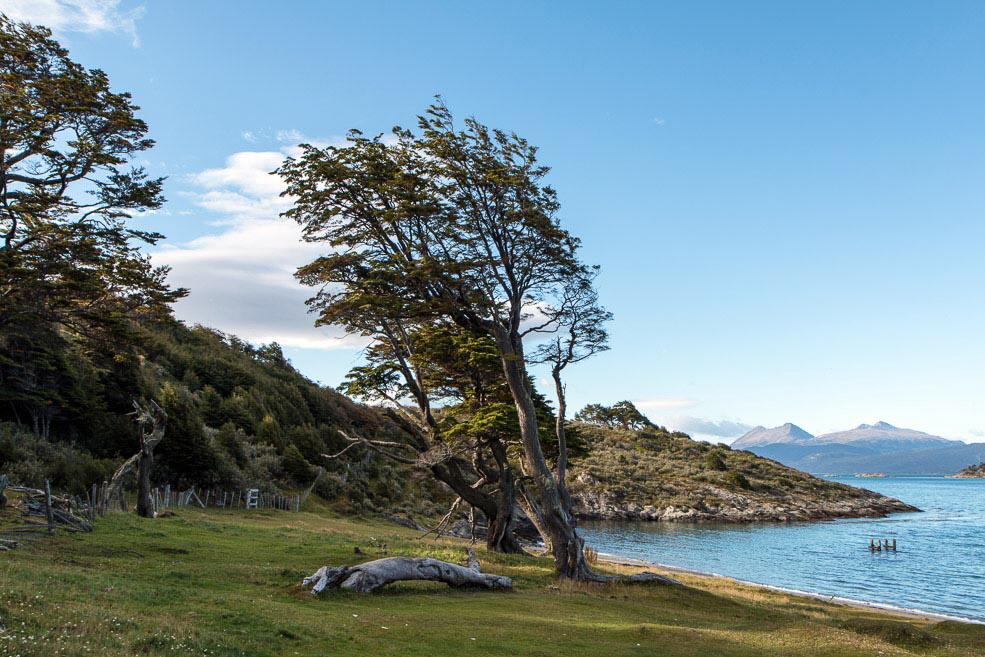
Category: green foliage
[67,256]
[621,414]
[714,461]
[266,430]
[738,480]
[29,460]
[296,466]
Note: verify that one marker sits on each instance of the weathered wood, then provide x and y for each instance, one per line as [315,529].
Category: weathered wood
[152,420]
[310,488]
[373,575]
[47,506]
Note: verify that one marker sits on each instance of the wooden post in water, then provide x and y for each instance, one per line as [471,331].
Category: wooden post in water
[894,545]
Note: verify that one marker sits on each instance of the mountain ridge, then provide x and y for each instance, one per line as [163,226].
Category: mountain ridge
[879,447]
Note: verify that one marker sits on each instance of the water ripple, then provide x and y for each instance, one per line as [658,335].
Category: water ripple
[939,565]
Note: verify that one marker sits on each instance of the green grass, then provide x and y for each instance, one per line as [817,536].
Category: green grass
[227,583]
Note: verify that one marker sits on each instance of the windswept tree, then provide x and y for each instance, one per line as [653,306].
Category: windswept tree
[67,255]
[411,367]
[454,224]
[70,265]
[621,414]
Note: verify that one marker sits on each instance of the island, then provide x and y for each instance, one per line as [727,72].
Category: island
[971,472]
[650,473]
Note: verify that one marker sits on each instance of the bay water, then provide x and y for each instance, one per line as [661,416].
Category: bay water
[938,566]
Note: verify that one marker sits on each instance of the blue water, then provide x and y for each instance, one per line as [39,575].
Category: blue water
[939,565]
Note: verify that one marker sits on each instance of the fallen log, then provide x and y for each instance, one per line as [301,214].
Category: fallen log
[373,575]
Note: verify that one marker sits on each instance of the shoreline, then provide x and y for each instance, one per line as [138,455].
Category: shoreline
[913,614]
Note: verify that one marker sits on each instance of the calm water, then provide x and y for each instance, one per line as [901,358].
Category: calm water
[939,565]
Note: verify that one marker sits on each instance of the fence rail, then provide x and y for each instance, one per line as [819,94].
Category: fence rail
[44,513]
[167,497]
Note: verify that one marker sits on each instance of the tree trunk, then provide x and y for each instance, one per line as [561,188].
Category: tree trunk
[500,537]
[554,520]
[562,438]
[373,575]
[499,516]
[152,421]
[145,503]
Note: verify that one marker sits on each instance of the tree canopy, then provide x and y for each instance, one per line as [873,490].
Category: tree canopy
[621,414]
[70,265]
[67,255]
[456,224]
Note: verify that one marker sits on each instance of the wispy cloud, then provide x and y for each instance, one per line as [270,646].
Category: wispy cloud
[242,277]
[664,403]
[698,425]
[86,16]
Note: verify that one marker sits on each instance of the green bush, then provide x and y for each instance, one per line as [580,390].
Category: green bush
[738,480]
[714,461]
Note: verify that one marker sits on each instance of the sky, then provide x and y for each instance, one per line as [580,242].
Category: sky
[786,199]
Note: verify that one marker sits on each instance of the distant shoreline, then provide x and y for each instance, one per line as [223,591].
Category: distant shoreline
[918,614]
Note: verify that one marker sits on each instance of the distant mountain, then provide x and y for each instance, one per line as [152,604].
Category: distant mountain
[885,436]
[878,447]
[787,434]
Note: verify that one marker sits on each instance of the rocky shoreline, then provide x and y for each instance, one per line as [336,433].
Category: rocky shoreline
[735,507]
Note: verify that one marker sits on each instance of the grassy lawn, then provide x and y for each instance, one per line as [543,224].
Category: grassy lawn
[227,583]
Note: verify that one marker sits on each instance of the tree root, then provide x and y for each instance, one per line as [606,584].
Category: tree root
[373,575]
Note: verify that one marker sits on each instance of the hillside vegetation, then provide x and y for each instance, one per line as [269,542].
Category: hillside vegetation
[654,474]
[972,471]
[238,416]
[227,583]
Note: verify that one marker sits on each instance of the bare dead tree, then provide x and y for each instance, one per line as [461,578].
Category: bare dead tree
[152,420]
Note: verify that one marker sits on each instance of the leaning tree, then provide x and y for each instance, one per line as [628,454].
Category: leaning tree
[71,265]
[67,255]
[456,224]
[414,367]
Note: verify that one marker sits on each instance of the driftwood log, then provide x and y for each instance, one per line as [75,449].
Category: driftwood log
[373,575]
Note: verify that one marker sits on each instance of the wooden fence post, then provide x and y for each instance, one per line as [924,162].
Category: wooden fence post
[47,507]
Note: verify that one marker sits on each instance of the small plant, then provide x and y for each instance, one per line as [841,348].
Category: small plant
[738,480]
[591,555]
[714,461]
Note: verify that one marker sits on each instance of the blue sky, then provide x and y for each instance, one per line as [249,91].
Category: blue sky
[786,199]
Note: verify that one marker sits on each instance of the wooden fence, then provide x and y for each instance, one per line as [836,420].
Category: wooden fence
[44,513]
[217,498]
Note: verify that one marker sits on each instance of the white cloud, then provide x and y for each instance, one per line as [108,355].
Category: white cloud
[86,16]
[242,278]
[291,136]
[247,175]
[698,425]
[664,403]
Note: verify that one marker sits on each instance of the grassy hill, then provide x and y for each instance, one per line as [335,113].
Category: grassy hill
[654,474]
[226,583]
